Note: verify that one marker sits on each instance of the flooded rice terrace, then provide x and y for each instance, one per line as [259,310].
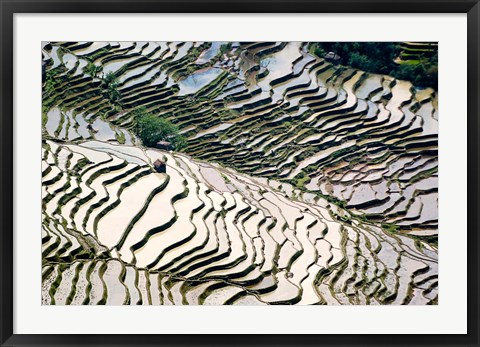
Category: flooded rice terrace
[298,179]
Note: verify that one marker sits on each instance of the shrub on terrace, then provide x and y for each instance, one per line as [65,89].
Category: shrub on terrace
[152,129]
[92,70]
[110,88]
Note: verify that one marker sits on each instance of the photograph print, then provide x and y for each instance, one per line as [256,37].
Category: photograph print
[239,173]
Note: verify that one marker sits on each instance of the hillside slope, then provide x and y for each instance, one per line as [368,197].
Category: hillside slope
[117,232]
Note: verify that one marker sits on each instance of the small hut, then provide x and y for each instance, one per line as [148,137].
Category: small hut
[160,166]
[332,56]
[165,145]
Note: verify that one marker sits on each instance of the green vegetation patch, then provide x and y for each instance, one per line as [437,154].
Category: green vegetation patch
[380,58]
[152,129]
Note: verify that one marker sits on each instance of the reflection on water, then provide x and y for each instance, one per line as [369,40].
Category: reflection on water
[198,80]
[82,126]
[69,60]
[103,130]
[207,55]
[220,127]
[92,48]
[53,121]
[116,64]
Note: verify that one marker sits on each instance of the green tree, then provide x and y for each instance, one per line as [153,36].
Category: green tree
[379,57]
[92,70]
[152,129]
[110,88]
[225,48]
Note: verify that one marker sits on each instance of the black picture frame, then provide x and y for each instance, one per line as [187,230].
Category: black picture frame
[9,7]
